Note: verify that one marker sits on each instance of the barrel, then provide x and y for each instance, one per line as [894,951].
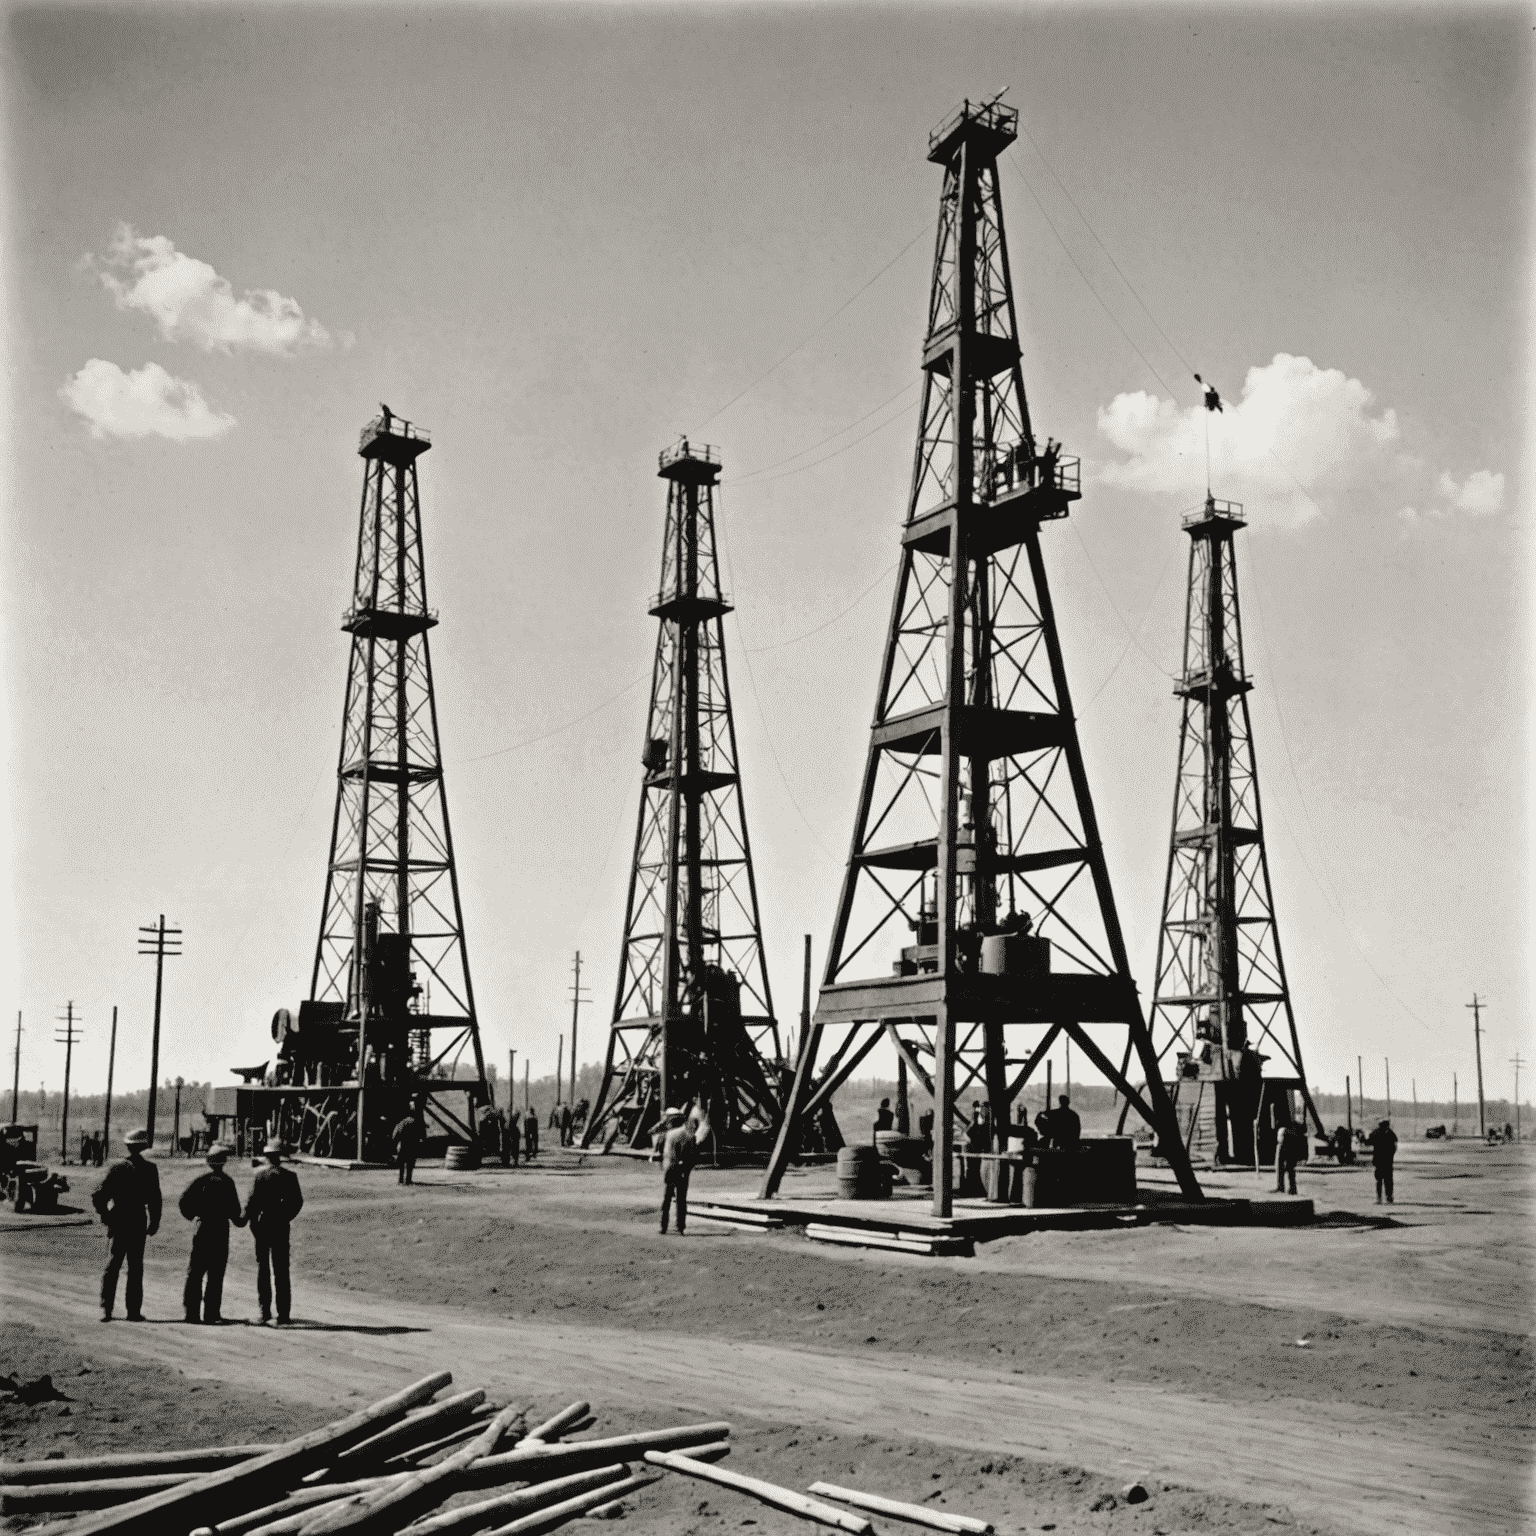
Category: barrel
[859,1174]
[908,1154]
[460,1155]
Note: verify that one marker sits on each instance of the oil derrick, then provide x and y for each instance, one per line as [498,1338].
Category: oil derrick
[391,1012]
[1221,996]
[976,874]
[693,1014]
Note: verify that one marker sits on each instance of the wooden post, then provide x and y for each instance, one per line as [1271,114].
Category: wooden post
[1349,1106]
[106,1124]
[903,1106]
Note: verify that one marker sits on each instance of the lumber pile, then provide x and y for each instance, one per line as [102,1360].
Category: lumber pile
[930,1244]
[396,1466]
[416,1464]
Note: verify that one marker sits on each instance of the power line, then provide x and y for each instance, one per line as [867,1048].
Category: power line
[753,474]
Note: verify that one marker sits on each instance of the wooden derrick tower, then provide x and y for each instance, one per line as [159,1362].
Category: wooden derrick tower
[976,923]
[693,1019]
[390,1024]
[1221,1000]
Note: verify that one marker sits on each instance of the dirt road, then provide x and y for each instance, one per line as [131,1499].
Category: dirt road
[551,1285]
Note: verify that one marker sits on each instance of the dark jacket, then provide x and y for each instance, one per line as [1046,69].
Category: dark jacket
[1066,1128]
[275,1199]
[1383,1144]
[407,1136]
[211,1200]
[128,1199]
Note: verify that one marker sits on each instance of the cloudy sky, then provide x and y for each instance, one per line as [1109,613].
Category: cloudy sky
[557,236]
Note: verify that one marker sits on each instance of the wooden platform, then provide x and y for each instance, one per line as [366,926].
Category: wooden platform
[910,1212]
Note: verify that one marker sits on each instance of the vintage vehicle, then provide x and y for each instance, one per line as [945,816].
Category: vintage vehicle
[24,1181]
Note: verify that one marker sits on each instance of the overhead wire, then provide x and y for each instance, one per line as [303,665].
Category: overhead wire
[752,474]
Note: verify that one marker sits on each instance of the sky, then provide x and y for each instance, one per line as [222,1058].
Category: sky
[557,236]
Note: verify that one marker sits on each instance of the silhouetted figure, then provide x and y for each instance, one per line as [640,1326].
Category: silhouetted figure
[212,1203]
[275,1200]
[128,1202]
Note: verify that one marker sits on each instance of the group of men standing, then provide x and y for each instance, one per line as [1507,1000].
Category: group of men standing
[128,1202]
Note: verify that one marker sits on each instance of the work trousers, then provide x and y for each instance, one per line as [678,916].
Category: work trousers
[407,1173]
[127,1243]
[1384,1182]
[675,1181]
[1284,1170]
[272,1264]
[205,1271]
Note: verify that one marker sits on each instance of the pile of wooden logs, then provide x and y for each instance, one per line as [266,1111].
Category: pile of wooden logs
[411,1465]
[390,1468]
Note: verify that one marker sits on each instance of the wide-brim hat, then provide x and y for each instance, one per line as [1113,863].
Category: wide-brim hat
[274,1145]
[217,1153]
[139,1138]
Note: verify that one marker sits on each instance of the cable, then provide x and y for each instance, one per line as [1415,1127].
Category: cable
[815,333]
[1115,264]
[1125,650]
[888,422]
[1125,621]
[517,746]
[1019,172]
[778,645]
[752,474]
[746,656]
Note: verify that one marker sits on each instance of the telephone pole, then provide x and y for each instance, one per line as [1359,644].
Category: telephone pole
[1517,1061]
[1360,1086]
[16,1074]
[1476,1006]
[106,1120]
[162,943]
[579,995]
[67,1039]
[1386,1062]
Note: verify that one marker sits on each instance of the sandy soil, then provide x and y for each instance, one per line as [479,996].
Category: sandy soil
[1021,1385]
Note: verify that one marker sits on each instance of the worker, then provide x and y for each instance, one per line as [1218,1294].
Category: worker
[1383,1145]
[530,1135]
[884,1118]
[678,1148]
[512,1138]
[406,1137]
[212,1202]
[925,1127]
[1047,464]
[275,1200]
[128,1202]
[1343,1145]
[1066,1128]
[565,1125]
[1290,1147]
[490,1133]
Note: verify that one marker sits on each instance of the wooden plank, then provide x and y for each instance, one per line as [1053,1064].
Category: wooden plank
[553,1428]
[389,1508]
[769,1493]
[939,1519]
[217,1495]
[77,1469]
[424,1425]
[558,1514]
[95,1493]
[291,1511]
[524,1501]
[538,1462]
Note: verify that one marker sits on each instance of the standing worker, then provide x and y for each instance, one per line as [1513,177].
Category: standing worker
[212,1202]
[407,1141]
[1290,1143]
[1383,1145]
[128,1202]
[275,1200]
[566,1120]
[512,1141]
[530,1135]
[1066,1128]
[678,1149]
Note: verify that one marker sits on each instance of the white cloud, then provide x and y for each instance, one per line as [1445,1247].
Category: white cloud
[148,402]
[1481,493]
[191,302]
[1299,438]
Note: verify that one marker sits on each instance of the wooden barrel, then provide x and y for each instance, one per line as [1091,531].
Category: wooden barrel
[460,1156]
[859,1175]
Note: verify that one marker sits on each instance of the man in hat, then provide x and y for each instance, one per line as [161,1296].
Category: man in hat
[678,1148]
[128,1202]
[530,1135]
[1383,1145]
[407,1142]
[212,1202]
[275,1200]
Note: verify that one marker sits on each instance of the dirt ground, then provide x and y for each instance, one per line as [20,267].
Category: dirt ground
[1371,1373]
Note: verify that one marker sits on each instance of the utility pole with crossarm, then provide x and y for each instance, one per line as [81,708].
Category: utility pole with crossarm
[162,943]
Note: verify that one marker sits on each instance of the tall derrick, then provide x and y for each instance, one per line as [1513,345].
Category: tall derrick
[1221,993]
[391,1012]
[976,873]
[693,1017]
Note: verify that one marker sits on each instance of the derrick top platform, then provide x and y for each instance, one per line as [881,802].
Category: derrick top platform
[1215,518]
[393,439]
[989,125]
[696,462]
